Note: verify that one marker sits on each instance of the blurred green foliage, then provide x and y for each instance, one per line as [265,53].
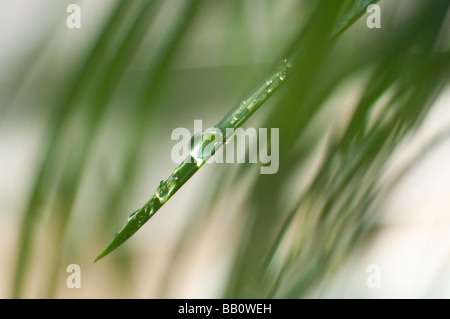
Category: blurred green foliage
[151,66]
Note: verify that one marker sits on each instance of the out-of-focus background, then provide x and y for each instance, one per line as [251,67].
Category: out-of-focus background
[360,206]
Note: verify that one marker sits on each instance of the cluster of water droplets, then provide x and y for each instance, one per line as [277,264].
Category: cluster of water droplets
[283,72]
[269,86]
[202,146]
[263,92]
[143,214]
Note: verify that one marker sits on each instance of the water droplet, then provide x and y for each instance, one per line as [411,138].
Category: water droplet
[234,120]
[269,90]
[162,190]
[268,83]
[251,105]
[133,214]
[142,219]
[203,145]
[166,189]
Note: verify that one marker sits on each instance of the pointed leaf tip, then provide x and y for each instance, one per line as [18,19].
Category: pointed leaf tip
[139,219]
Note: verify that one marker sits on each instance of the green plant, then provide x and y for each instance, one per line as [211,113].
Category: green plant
[240,114]
[295,228]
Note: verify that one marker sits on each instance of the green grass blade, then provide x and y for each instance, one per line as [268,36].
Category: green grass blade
[234,119]
[57,120]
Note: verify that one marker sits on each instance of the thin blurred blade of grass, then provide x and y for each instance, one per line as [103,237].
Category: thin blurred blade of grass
[108,78]
[336,214]
[59,118]
[102,97]
[145,101]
